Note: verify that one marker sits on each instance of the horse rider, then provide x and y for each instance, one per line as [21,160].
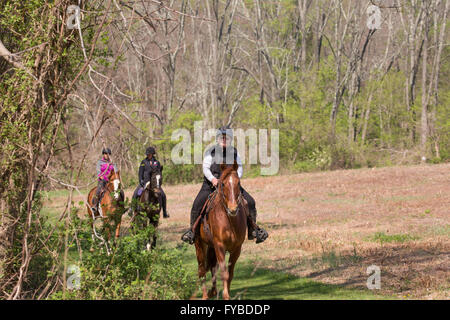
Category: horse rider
[104,168]
[212,172]
[148,165]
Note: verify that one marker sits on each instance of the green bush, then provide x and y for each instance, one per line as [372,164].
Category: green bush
[132,272]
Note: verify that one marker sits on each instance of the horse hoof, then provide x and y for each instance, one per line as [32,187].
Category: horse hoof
[212,293]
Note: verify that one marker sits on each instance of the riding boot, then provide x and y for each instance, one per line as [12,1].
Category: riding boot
[163,204]
[251,230]
[260,234]
[94,204]
[189,236]
[98,193]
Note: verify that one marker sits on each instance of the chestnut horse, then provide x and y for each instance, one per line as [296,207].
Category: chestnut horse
[110,208]
[223,229]
[149,204]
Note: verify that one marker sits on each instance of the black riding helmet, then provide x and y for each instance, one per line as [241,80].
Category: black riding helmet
[224,130]
[150,150]
[106,151]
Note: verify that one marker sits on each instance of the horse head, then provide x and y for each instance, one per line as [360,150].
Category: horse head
[154,185]
[114,178]
[229,187]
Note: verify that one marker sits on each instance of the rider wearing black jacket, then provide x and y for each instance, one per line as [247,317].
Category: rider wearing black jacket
[147,166]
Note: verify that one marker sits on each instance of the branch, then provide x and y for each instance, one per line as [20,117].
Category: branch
[13,59]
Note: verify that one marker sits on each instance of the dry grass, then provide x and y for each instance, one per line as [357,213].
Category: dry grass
[330,226]
[324,226]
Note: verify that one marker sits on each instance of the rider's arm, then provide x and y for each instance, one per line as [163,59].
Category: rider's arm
[207,161]
[141,173]
[158,165]
[98,168]
[100,173]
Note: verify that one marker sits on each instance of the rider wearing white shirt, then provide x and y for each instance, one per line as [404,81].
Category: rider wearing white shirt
[214,157]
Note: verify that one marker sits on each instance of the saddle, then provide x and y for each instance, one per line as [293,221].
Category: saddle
[204,215]
[207,208]
[99,200]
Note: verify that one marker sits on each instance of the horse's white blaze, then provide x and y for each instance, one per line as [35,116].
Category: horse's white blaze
[232,189]
[116,183]
[158,177]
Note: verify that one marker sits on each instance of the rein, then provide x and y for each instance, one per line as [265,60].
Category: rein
[110,186]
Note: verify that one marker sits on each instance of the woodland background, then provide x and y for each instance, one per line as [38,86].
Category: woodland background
[342,96]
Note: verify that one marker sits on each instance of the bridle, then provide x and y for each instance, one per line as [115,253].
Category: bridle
[116,185]
[220,186]
[150,186]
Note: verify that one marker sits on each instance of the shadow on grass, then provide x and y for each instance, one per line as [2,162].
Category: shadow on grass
[249,283]
[253,283]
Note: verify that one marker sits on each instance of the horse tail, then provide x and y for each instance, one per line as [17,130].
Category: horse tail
[211,259]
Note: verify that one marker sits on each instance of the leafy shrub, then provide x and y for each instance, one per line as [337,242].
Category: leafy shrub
[132,272]
[321,157]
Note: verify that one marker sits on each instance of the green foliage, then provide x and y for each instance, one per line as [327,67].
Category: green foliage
[321,157]
[131,272]
[175,173]
[32,102]
[387,238]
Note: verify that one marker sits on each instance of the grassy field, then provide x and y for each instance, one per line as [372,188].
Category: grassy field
[254,282]
[326,228]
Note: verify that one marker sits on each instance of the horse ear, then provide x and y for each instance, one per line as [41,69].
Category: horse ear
[223,166]
[235,166]
[162,168]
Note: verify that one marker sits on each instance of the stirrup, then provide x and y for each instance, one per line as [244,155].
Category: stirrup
[251,235]
[261,235]
[188,237]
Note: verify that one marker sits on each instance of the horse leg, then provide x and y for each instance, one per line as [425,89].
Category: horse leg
[118,230]
[118,222]
[220,254]
[107,223]
[212,264]
[92,235]
[201,260]
[155,234]
[234,256]
[153,245]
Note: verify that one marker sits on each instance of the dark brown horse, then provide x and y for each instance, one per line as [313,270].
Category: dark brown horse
[110,208]
[149,204]
[223,229]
